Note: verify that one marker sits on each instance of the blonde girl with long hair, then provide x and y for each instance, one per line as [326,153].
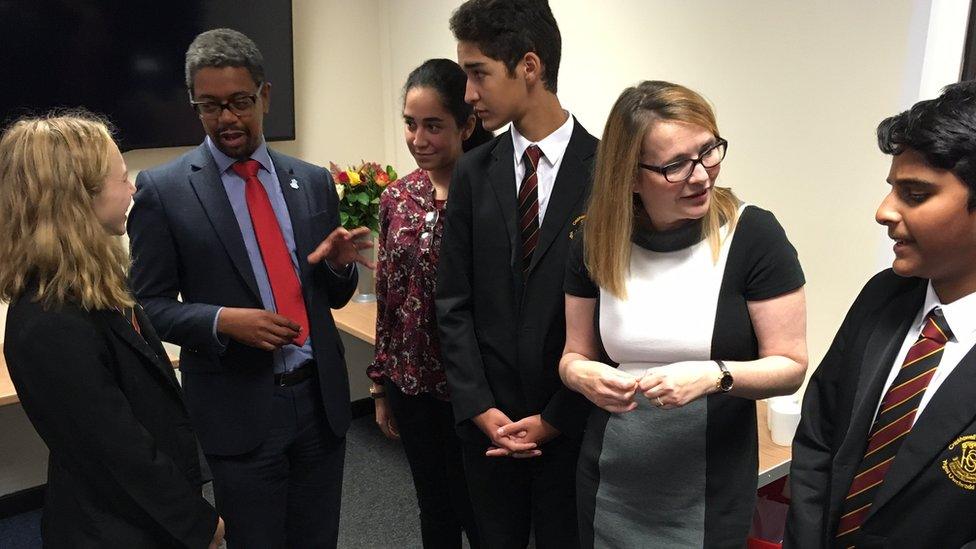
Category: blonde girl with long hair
[92,376]
[683,307]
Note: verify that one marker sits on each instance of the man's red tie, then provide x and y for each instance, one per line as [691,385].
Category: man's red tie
[528,209]
[893,423]
[285,287]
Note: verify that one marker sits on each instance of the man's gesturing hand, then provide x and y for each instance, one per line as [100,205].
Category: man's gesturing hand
[342,247]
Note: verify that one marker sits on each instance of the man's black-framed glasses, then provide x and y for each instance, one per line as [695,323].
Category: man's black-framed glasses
[680,171]
[240,105]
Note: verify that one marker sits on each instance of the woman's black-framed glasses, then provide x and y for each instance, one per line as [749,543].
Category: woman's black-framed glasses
[430,221]
[680,171]
[241,105]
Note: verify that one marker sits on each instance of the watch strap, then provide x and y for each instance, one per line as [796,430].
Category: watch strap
[725,374]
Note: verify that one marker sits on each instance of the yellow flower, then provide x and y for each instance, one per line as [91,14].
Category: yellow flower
[353,178]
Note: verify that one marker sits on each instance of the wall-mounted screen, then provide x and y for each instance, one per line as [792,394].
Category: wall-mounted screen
[126,60]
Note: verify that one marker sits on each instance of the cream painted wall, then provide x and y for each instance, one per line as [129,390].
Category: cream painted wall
[799,88]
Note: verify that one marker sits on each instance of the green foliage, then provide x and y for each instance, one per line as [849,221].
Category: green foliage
[360,188]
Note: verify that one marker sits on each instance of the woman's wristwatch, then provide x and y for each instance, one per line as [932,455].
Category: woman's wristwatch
[375,393]
[724,382]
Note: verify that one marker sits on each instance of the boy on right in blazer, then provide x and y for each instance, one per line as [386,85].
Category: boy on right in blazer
[885,454]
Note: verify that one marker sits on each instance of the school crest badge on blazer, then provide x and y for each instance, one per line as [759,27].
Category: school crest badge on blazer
[575,227]
[961,466]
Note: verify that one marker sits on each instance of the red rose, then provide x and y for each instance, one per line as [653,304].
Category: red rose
[343,177]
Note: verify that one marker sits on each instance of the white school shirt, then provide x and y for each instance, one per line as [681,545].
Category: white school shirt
[961,317]
[553,148]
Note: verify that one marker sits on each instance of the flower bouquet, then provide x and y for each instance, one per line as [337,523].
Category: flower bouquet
[359,189]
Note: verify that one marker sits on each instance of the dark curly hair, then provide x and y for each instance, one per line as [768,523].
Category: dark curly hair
[942,130]
[505,30]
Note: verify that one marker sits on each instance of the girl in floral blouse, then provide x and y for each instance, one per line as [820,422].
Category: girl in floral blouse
[409,386]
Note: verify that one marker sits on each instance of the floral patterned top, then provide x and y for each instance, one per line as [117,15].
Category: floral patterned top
[407,347]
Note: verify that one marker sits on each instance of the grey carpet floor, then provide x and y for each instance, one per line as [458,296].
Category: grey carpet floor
[379,505]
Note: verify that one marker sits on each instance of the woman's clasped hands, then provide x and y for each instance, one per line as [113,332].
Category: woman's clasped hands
[666,387]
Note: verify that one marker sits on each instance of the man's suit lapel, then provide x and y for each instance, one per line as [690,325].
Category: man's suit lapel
[501,177]
[297,201]
[210,190]
[949,411]
[569,185]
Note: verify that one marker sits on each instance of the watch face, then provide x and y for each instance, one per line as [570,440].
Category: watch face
[726,383]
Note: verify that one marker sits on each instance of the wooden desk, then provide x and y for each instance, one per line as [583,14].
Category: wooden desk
[774,460]
[359,320]
[8,395]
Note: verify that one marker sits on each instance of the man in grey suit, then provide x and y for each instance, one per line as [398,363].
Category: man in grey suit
[238,257]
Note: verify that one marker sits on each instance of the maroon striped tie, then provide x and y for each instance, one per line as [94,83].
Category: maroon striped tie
[893,423]
[529,205]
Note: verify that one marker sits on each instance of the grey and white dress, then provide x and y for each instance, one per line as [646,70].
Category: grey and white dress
[684,477]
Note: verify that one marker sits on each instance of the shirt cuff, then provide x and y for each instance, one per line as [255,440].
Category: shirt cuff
[344,272]
[220,341]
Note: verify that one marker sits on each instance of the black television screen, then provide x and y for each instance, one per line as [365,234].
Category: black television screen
[124,59]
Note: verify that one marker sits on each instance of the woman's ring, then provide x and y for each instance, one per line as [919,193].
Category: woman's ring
[660,402]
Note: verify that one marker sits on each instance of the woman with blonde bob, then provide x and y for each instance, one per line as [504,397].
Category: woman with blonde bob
[683,307]
[124,468]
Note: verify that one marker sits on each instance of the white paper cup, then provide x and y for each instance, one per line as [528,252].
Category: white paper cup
[783,417]
[769,408]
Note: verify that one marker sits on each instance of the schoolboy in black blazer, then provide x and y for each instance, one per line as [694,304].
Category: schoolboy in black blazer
[500,303]
[884,457]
